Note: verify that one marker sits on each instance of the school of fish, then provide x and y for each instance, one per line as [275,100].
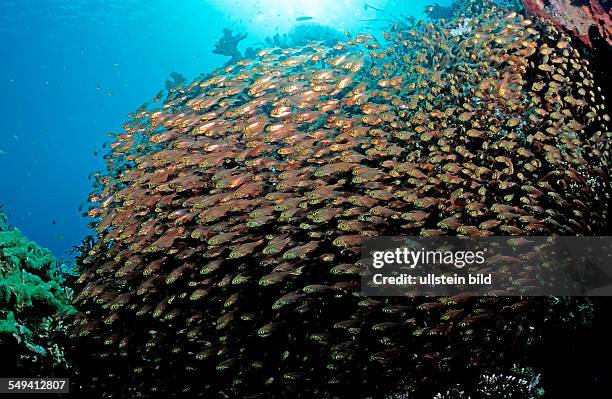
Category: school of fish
[230,218]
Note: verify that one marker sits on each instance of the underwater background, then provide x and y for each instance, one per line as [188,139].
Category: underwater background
[72,70]
[186,186]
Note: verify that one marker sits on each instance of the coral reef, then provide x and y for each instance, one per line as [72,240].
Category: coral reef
[4,226]
[301,35]
[467,8]
[582,19]
[436,11]
[176,79]
[230,219]
[228,45]
[34,304]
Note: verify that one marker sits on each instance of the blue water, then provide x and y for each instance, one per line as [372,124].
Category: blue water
[72,70]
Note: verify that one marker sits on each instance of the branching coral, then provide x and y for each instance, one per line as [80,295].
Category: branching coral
[230,220]
[33,303]
[228,45]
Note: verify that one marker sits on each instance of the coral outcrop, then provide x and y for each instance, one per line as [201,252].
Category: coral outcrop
[468,8]
[299,35]
[302,34]
[230,218]
[228,45]
[582,19]
[34,304]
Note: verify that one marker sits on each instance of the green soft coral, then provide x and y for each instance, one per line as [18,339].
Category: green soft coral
[18,251]
[26,290]
[33,300]
[8,325]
